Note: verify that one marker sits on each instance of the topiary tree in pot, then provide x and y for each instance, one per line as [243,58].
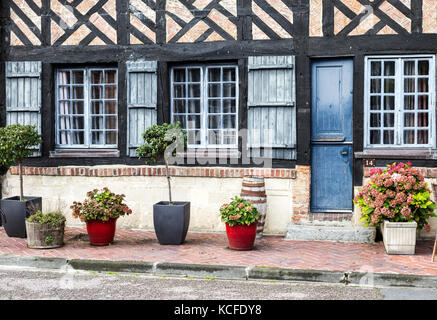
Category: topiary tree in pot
[17,143]
[170,218]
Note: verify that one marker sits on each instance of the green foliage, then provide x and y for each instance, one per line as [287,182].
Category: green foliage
[239,211]
[48,240]
[100,205]
[157,140]
[52,218]
[16,142]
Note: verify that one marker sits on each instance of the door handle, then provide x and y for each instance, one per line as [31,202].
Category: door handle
[344,153]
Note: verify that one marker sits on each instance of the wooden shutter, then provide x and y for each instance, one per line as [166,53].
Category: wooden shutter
[141,100]
[272,107]
[23,94]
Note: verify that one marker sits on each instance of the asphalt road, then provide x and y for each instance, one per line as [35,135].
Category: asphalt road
[69,284]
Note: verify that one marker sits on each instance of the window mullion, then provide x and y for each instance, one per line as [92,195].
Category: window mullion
[87,106]
[399,104]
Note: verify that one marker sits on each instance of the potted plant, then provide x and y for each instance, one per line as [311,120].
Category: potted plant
[45,230]
[170,218]
[100,211]
[17,142]
[398,200]
[241,218]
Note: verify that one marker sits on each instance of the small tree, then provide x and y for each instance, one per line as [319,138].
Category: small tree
[162,142]
[16,142]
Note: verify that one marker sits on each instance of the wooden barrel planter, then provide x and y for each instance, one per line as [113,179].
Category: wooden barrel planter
[253,189]
[46,235]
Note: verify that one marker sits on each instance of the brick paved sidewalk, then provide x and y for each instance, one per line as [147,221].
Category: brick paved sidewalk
[211,248]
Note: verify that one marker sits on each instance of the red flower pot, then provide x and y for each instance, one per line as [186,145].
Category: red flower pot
[241,237]
[101,233]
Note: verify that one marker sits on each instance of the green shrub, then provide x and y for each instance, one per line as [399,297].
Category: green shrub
[239,211]
[45,218]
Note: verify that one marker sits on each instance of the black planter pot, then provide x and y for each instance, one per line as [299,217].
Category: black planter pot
[14,213]
[171,221]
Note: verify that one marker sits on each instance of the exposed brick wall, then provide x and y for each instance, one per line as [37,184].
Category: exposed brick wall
[157,171]
[301,194]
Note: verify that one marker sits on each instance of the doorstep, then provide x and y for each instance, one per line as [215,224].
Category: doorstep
[207,254]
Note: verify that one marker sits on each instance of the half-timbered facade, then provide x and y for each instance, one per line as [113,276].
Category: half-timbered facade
[308,93]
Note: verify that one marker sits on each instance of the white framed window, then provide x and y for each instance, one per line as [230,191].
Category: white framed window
[204,99]
[399,101]
[86,108]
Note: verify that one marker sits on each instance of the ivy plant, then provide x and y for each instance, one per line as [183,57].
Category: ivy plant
[160,143]
[17,143]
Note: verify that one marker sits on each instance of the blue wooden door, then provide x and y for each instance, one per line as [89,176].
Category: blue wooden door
[331,135]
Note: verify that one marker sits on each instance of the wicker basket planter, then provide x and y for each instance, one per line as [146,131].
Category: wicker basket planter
[399,237]
[45,236]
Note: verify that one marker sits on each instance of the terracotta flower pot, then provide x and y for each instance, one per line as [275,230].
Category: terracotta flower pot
[101,233]
[241,237]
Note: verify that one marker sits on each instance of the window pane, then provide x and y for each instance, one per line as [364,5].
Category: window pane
[194,91]
[229,106]
[375,85]
[193,122]
[409,68]
[181,120]
[193,137]
[63,77]
[229,137]
[214,137]
[422,102]
[64,137]
[389,120]
[214,74]
[229,74]
[214,91]
[179,75]
[64,123]
[97,107]
[375,120]
[422,136]
[229,90]
[423,67]
[389,68]
[111,122]
[389,85]
[193,75]
[422,119]
[110,92]
[193,106]
[63,93]
[376,68]
[214,106]
[78,77]
[78,137]
[110,76]
[96,92]
[375,136]
[389,103]
[229,122]
[111,137]
[409,119]
[97,122]
[110,107]
[214,122]
[78,107]
[409,136]
[409,85]
[77,123]
[179,91]
[97,137]
[96,77]
[179,106]
[78,93]
[408,102]
[423,85]
[389,137]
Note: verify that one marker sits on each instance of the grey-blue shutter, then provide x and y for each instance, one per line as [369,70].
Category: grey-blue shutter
[142,81]
[272,107]
[23,94]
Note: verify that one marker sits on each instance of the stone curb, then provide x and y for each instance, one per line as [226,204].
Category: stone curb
[224,271]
